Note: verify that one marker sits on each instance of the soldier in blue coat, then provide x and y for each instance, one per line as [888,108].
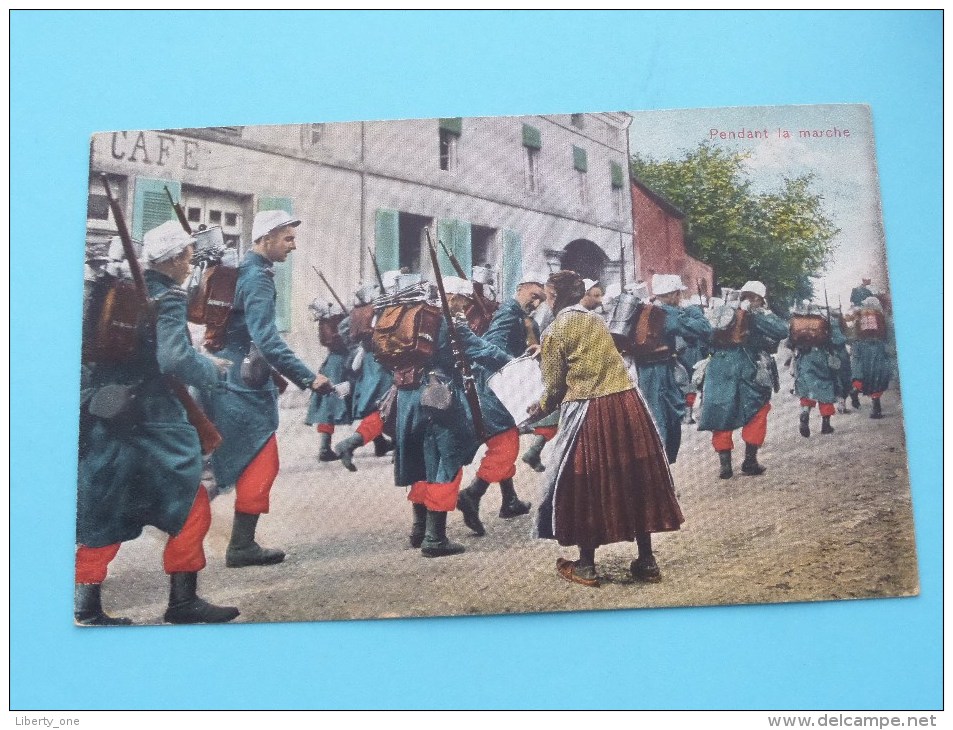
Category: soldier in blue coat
[859,293]
[737,389]
[142,465]
[502,437]
[663,395]
[372,381]
[691,351]
[817,378]
[871,365]
[327,410]
[246,411]
[513,329]
[432,446]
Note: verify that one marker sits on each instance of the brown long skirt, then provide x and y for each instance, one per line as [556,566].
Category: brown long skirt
[616,482]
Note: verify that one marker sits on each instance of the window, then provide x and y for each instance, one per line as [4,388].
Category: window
[215,217]
[532,143]
[450,130]
[231,219]
[448,150]
[580,163]
[97,207]
[194,215]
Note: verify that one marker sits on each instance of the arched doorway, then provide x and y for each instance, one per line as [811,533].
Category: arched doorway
[586,259]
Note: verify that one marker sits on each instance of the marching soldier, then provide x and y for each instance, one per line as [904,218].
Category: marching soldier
[326,410]
[859,293]
[693,351]
[870,363]
[372,381]
[657,380]
[246,411]
[514,329]
[502,437]
[737,389]
[815,380]
[142,464]
[435,433]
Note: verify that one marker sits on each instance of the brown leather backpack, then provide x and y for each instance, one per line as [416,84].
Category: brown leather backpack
[406,335]
[809,330]
[114,321]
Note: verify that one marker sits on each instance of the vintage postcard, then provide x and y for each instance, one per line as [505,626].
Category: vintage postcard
[459,366]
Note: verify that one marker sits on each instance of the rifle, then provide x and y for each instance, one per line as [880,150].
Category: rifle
[330,289]
[701,299]
[460,360]
[209,437]
[377,269]
[621,267]
[179,213]
[455,262]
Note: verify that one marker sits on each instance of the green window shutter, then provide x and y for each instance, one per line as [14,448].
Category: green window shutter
[454,125]
[387,239]
[532,137]
[512,262]
[456,237]
[151,206]
[579,160]
[615,171]
[282,269]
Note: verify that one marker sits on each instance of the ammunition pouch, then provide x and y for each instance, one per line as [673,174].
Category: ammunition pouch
[387,407]
[436,392]
[408,377]
[255,370]
[116,405]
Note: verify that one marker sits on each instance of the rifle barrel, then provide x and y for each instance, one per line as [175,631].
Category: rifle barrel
[330,289]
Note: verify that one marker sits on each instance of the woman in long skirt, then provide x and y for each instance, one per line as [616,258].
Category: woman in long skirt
[608,479]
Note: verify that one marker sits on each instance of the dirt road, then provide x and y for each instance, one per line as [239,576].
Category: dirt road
[830,519]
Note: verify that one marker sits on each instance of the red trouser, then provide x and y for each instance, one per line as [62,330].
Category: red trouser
[254,484]
[183,552]
[547,432]
[437,497]
[826,409]
[325,428]
[753,432]
[859,385]
[371,427]
[499,461]
[690,399]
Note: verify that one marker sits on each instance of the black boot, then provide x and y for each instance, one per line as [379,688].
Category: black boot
[725,458]
[382,446]
[750,465]
[88,607]
[468,502]
[876,412]
[242,548]
[512,505]
[805,428]
[855,399]
[826,426]
[419,527]
[185,607]
[326,454]
[345,450]
[436,544]
[531,456]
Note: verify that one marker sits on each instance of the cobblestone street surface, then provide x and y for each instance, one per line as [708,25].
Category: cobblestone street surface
[831,519]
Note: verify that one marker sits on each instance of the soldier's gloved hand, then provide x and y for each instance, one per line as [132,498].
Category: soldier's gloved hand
[532,351]
[321,384]
[222,364]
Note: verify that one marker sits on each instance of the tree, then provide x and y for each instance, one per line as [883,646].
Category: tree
[781,238]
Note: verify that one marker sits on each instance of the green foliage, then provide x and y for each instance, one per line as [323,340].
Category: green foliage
[780,238]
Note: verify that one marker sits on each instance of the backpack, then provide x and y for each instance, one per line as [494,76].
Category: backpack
[729,325]
[406,334]
[871,325]
[809,330]
[113,322]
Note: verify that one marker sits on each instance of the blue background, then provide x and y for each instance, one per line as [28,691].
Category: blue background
[76,73]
